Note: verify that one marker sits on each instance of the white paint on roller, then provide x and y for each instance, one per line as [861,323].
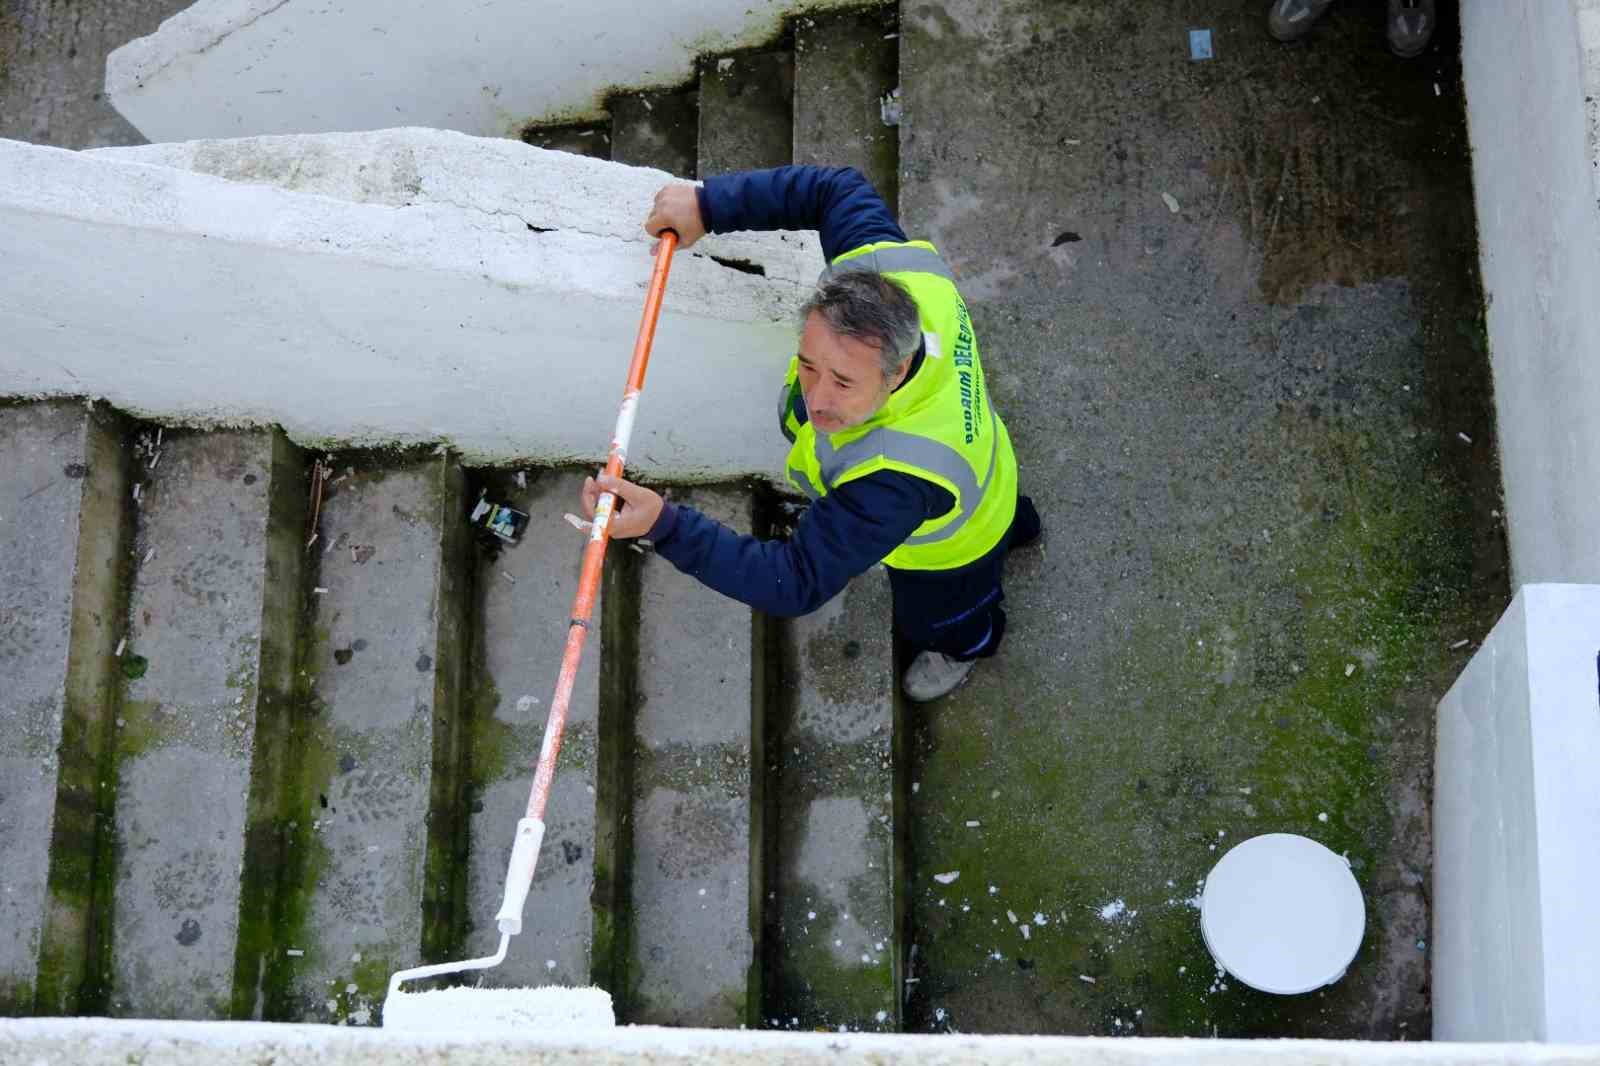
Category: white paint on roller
[1283,914]
[487,1012]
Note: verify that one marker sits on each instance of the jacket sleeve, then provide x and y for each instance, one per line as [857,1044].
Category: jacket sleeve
[839,536]
[838,202]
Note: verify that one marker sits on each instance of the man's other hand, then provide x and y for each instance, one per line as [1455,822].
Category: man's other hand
[676,208]
[639,508]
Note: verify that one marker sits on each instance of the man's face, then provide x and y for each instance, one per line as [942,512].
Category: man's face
[842,377]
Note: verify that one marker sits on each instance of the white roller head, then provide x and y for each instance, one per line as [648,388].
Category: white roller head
[548,1011]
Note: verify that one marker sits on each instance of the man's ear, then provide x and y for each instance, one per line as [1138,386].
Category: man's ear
[900,373]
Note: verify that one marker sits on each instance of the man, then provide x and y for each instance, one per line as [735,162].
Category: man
[893,435]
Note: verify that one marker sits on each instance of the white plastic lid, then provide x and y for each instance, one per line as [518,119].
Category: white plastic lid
[1283,914]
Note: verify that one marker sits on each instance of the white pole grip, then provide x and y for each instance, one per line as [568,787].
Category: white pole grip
[519,874]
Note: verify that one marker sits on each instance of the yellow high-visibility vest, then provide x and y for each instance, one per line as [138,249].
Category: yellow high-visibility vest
[939,426]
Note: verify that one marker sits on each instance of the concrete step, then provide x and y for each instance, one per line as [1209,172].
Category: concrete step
[524,599]
[63,546]
[657,129]
[746,120]
[691,941]
[834,948]
[835,957]
[377,793]
[210,635]
[845,64]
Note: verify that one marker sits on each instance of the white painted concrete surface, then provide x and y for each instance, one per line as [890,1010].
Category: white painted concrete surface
[1516,828]
[1528,69]
[235,68]
[405,286]
[99,1042]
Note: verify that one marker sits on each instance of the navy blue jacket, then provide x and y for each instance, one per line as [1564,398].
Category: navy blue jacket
[854,526]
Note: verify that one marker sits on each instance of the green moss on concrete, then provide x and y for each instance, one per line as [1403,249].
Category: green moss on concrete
[74,969]
[1271,711]
[445,859]
[273,688]
[16,998]
[612,958]
[815,989]
[276,917]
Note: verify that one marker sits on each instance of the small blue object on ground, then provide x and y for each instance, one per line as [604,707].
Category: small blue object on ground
[1199,44]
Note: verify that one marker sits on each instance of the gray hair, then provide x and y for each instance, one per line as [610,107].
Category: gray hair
[869,307]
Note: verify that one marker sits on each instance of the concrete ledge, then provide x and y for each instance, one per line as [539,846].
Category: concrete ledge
[97,1042]
[1532,75]
[1516,802]
[225,68]
[413,286]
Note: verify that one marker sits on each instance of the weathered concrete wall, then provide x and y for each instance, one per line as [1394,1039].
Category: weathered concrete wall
[231,68]
[403,286]
[96,1042]
[1528,71]
[1516,803]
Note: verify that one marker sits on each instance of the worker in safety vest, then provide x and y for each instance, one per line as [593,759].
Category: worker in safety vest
[894,436]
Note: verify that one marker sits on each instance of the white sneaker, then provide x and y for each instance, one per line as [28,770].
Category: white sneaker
[933,674]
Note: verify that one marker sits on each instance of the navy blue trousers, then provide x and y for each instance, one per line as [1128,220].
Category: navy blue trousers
[958,612]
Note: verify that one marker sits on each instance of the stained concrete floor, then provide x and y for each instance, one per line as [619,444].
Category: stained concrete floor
[1259,430]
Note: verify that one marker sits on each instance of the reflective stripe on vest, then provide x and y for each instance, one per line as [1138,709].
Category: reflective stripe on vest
[888,260]
[916,451]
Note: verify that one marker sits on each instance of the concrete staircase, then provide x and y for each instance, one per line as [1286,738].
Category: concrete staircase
[247,776]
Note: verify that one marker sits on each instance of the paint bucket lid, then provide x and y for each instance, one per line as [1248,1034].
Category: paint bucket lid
[1283,914]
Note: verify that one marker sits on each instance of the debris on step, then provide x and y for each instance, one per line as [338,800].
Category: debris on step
[318,474]
[890,108]
[1171,201]
[506,523]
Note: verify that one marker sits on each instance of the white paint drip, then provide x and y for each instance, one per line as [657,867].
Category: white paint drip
[624,434]
[602,516]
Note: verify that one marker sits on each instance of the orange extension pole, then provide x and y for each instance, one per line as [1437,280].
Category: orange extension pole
[530,830]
